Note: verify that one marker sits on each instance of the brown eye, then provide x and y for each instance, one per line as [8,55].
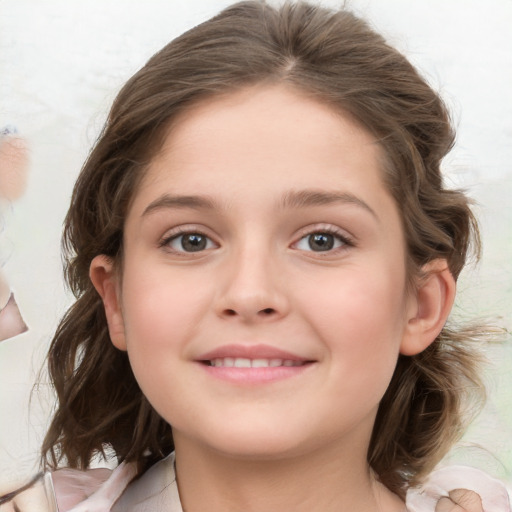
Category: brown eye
[190,242]
[321,241]
[193,242]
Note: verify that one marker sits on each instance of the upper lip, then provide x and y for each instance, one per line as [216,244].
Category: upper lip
[250,352]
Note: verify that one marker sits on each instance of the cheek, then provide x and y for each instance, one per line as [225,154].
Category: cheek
[161,311]
[159,319]
[360,316]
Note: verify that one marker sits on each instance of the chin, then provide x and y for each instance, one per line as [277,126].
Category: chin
[258,444]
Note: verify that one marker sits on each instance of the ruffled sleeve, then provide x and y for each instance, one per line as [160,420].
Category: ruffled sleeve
[493,493]
[95,490]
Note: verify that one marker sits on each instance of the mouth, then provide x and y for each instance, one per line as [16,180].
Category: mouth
[248,364]
[242,362]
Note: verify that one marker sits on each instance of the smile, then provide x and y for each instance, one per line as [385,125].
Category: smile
[253,364]
[242,362]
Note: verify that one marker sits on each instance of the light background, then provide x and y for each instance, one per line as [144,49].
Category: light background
[61,63]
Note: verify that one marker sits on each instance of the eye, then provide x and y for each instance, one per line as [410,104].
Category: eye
[189,242]
[322,241]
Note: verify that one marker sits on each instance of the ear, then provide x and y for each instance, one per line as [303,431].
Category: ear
[429,307]
[105,280]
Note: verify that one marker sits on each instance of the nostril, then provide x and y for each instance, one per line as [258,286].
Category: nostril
[266,312]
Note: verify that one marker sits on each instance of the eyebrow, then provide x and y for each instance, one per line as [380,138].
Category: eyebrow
[304,198]
[170,201]
[291,200]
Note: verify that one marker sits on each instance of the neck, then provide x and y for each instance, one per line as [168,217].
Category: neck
[326,480]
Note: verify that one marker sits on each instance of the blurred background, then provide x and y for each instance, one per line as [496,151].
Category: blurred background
[61,64]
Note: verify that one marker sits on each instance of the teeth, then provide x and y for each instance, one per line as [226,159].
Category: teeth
[260,363]
[242,362]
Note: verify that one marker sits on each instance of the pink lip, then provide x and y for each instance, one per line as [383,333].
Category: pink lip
[250,352]
[253,376]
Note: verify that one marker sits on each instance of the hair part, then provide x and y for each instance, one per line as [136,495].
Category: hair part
[336,58]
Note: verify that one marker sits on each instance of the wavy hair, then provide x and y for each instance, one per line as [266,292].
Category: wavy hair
[336,58]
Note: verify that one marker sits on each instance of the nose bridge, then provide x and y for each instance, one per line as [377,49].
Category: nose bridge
[252,285]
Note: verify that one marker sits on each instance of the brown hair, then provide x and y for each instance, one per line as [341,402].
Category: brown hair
[338,59]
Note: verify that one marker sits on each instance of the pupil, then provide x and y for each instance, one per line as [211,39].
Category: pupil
[192,243]
[321,242]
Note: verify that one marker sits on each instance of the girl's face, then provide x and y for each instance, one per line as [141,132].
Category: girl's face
[263,297]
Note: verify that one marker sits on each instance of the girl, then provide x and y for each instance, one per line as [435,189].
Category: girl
[264,259]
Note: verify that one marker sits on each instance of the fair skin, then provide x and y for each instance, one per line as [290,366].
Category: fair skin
[259,238]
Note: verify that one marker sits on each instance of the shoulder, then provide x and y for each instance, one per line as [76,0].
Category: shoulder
[155,490]
[494,494]
[102,490]
[92,490]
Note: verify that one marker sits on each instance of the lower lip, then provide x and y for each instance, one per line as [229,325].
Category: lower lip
[255,375]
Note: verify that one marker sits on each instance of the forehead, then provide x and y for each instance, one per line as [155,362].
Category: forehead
[264,130]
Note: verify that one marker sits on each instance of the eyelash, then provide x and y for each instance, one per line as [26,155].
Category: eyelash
[342,237]
[345,240]
[180,232]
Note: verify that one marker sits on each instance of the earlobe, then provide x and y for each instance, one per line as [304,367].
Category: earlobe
[433,302]
[105,280]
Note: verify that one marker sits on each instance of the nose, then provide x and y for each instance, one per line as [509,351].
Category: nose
[252,289]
